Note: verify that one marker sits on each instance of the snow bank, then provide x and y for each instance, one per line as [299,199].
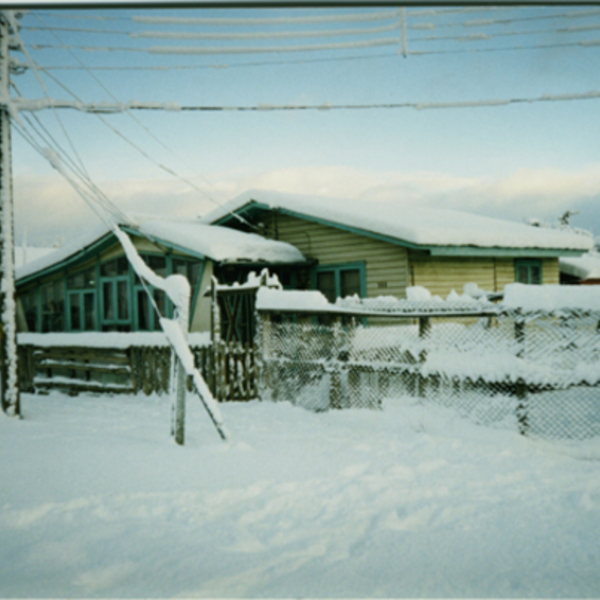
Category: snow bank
[551,297]
[97,339]
[274,299]
[411,501]
[424,226]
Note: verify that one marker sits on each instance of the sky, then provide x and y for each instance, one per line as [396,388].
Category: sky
[517,161]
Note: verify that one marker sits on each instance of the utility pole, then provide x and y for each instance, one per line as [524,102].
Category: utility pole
[8,342]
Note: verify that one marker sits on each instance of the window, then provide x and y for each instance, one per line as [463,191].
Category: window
[146,318]
[339,281]
[81,288]
[188,268]
[29,302]
[115,311]
[528,271]
[53,306]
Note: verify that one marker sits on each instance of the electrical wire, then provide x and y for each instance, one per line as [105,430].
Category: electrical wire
[212,50]
[169,106]
[170,171]
[143,152]
[223,36]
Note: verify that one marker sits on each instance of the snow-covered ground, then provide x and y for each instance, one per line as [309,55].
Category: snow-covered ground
[97,501]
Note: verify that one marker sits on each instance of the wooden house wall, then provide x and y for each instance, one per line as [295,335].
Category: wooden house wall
[386,264]
[441,274]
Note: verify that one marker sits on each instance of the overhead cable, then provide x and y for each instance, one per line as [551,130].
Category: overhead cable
[104,107]
[340,18]
[489,22]
[191,50]
[195,35]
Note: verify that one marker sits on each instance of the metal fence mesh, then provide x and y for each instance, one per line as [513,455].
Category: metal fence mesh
[537,372]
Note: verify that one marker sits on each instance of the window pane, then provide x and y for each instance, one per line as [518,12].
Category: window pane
[349,282]
[108,313]
[108,269]
[123,300]
[29,303]
[75,310]
[157,263]
[536,274]
[89,314]
[82,280]
[326,284]
[179,266]
[522,274]
[53,306]
[160,299]
[117,266]
[143,307]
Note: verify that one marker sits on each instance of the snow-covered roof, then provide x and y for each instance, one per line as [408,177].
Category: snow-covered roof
[25,254]
[415,225]
[584,267]
[220,244]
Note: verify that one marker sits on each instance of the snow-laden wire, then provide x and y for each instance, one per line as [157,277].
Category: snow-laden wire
[150,158]
[341,18]
[490,22]
[196,35]
[212,50]
[104,107]
[53,158]
[15,32]
[132,116]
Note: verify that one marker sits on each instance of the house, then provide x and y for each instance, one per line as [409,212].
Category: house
[581,270]
[88,285]
[381,248]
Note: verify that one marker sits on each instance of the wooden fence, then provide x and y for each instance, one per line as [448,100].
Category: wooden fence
[229,370]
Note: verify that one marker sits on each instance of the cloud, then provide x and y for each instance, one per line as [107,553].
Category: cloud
[47,206]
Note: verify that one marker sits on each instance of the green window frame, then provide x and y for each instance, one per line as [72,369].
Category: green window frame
[115,295]
[339,280]
[82,309]
[528,271]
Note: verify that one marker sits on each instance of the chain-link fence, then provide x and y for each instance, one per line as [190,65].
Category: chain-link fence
[538,372]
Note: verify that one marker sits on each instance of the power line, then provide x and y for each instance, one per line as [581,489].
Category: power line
[134,145]
[194,35]
[190,50]
[104,107]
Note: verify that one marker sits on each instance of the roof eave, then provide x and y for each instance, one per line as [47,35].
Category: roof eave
[434,250]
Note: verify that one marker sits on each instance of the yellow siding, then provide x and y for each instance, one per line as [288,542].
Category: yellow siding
[386,264]
[440,274]
[550,271]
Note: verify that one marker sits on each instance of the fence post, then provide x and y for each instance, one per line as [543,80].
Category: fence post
[521,386]
[424,329]
[335,381]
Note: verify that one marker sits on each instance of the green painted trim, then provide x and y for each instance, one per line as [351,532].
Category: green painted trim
[474,251]
[79,257]
[168,245]
[529,263]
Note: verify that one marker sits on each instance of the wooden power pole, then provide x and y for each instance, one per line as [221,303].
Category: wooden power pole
[8,342]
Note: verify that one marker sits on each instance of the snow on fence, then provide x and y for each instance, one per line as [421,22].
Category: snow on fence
[530,362]
[104,362]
